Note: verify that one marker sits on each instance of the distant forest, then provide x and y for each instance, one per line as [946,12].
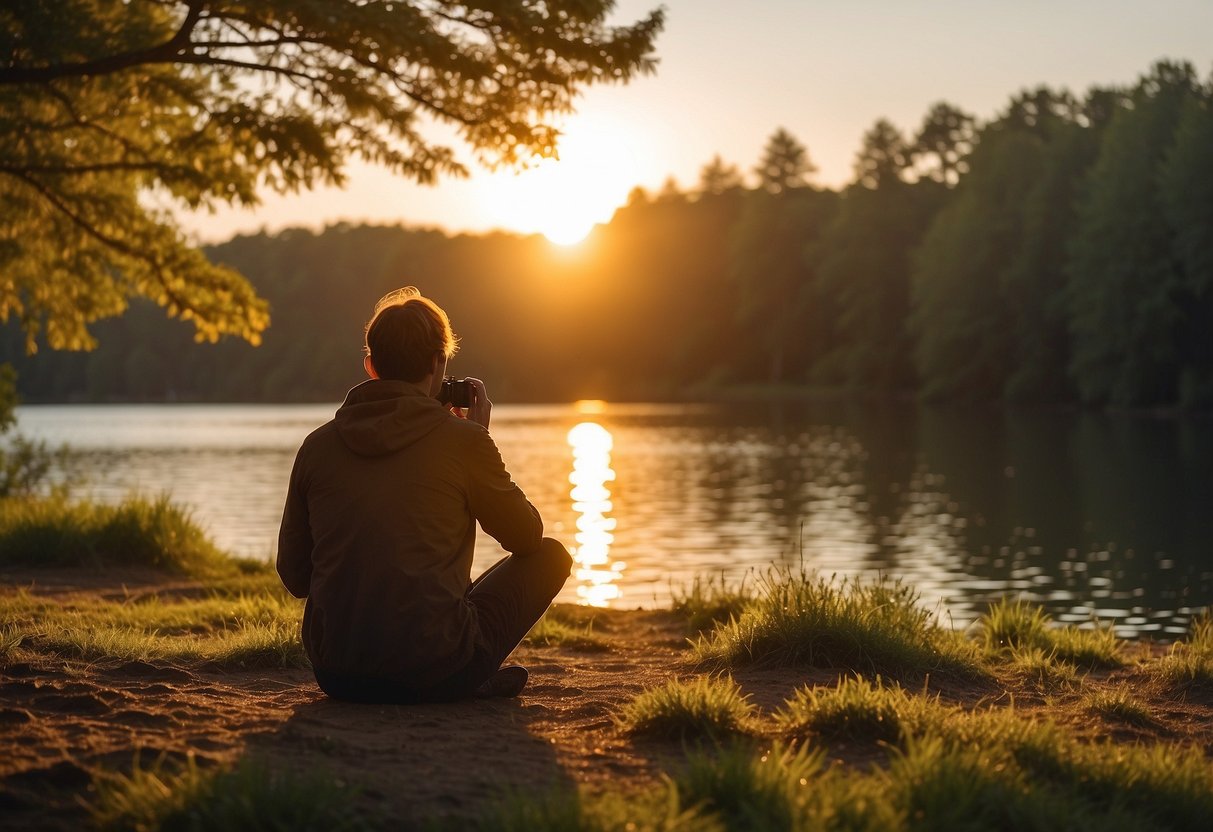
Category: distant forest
[1061,252]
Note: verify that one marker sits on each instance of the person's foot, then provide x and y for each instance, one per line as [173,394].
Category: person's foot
[507,682]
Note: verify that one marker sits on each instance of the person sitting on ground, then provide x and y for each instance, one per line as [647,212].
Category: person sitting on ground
[380,524]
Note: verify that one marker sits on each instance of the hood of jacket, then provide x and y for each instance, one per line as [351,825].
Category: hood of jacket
[382,416]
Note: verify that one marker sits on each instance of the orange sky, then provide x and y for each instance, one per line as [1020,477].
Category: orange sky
[731,73]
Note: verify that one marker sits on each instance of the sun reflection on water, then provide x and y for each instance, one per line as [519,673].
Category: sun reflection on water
[596,575]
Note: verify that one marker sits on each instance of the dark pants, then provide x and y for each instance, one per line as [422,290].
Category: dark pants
[509,598]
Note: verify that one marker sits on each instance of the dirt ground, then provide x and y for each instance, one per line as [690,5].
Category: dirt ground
[62,721]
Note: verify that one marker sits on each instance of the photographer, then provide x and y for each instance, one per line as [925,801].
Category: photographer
[380,524]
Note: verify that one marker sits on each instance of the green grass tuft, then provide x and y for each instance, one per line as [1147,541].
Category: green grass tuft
[566,810]
[1120,705]
[249,796]
[855,709]
[701,708]
[552,630]
[798,619]
[56,531]
[242,630]
[1010,626]
[752,791]
[1190,662]
[1042,669]
[944,787]
[708,601]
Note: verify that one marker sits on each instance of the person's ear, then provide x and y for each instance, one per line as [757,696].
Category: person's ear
[369,367]
[438,358]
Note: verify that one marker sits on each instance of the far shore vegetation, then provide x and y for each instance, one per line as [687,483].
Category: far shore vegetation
[891,691]
[1055,252]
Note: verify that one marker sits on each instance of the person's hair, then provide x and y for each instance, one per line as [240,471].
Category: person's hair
[405,333]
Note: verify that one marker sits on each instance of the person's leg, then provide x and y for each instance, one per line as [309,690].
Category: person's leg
[509,597]
[514,593]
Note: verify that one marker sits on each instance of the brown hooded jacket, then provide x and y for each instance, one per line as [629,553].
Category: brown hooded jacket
[378,531]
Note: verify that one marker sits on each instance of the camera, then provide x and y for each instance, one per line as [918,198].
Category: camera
[456,392]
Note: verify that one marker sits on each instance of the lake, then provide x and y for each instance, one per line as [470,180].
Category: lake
[1089,514]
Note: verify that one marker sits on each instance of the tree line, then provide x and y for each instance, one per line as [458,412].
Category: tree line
[1059,252]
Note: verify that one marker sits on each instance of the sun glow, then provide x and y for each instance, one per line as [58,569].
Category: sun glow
[597,575]
[564,198]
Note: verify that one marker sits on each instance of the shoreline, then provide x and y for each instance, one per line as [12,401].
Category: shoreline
[66,722]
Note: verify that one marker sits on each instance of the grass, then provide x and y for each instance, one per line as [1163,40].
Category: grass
[243,620]
[1120,705]
[958,771]
[1190,662]
[855,709]
[798,619]
[568,810]
[746,789]
[1044,670]
[555,630]
[929,764]
[702,708]
[247,796]
[244,629]
[56,531]
[706,602]
[1010,626]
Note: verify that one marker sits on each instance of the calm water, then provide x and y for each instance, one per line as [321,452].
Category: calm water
[1108,516]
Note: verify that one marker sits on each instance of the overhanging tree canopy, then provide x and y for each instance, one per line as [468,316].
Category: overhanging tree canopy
[104,103]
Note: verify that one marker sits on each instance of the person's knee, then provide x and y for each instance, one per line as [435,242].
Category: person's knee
[557,561]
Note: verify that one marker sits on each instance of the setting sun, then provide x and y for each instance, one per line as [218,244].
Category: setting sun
[564,198]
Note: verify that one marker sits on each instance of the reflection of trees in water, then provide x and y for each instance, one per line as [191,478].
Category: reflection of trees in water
[966,504]
[811,482]
[1086,513]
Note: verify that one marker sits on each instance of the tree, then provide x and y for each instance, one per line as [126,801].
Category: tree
[989,284]
[862,261]
[780,314]
[944,142]
[24,463]
[1135,314]
[960,323]
[718,177]
[670,190]
[883,157]
[784,164]
[1186,192]
[199,103]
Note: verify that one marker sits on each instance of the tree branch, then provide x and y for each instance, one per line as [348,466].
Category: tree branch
[119,246]
[18,170]
[162,53]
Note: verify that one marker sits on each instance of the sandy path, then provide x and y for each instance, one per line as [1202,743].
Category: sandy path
[60,722]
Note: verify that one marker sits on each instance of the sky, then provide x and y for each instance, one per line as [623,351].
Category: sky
[732,72]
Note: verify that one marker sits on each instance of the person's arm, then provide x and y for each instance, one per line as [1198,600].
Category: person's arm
[498,503]
[295,537]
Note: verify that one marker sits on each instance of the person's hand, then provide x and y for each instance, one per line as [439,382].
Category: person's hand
[481,406]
